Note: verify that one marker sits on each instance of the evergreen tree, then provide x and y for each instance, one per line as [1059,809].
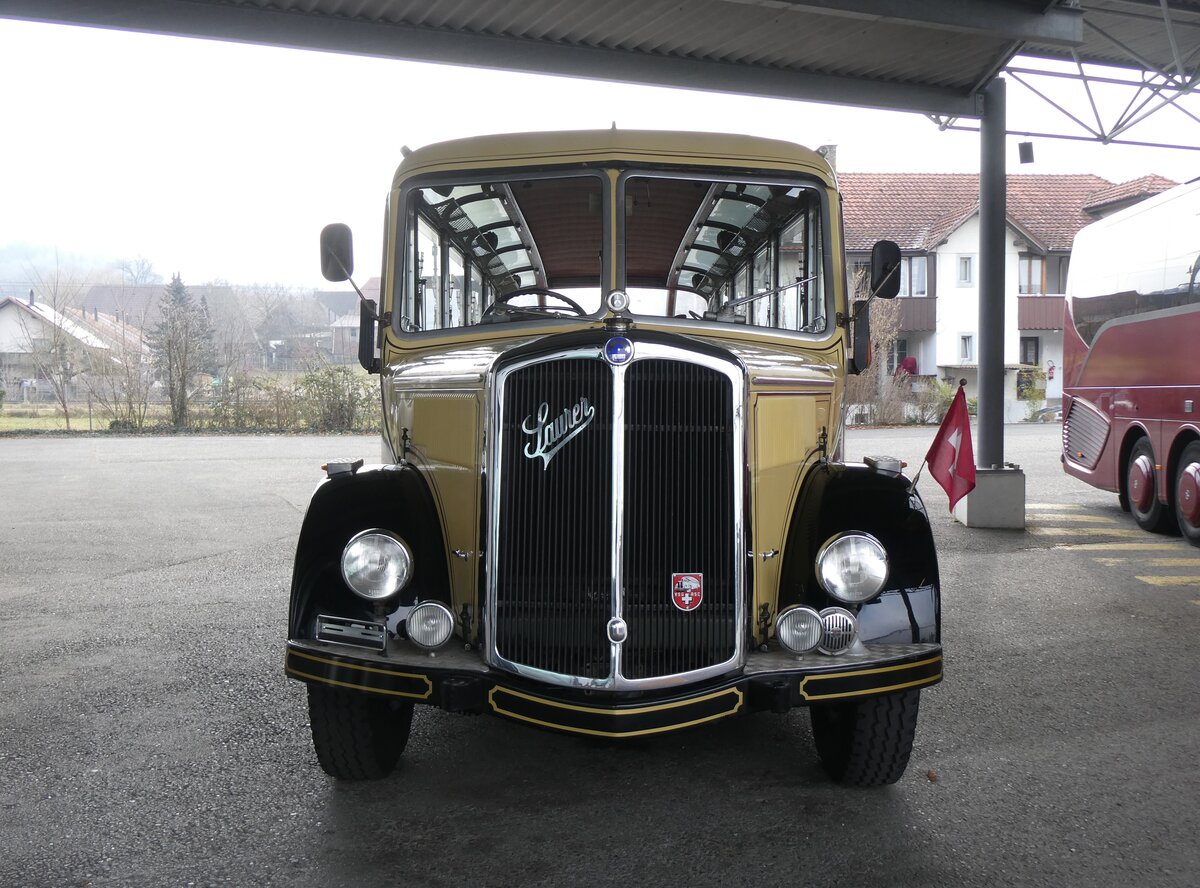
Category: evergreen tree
[182,345]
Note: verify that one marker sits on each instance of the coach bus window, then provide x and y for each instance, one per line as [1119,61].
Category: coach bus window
[498,251]
[726,251]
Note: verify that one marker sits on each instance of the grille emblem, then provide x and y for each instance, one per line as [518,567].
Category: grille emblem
[687,590]
[618,350]
[551,435]
[617,630]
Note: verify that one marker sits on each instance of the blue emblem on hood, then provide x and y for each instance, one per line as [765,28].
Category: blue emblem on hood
[618,350]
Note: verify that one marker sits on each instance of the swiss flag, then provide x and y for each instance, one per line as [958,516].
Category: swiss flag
[951,458]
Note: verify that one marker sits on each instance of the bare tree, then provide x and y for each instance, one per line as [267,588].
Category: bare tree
[121,380]
[56,347]
[878,393]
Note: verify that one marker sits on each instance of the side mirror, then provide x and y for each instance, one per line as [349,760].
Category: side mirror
[885,269]
[337,252]
[861,356]
[367,318]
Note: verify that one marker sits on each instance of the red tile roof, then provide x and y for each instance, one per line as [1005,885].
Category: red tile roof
[1107,199]
[920,210]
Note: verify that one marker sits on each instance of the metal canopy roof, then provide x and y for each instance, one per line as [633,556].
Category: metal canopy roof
[932,56]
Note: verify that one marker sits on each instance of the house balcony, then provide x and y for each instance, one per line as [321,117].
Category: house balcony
[1040,312]
[918,314]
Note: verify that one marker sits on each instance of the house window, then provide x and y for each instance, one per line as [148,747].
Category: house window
[1031,272]
[1031,350]
[966,270]
[966,348]
[896,354]
[912,276]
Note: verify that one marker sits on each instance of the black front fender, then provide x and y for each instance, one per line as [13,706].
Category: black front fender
[394,498]
[838,497]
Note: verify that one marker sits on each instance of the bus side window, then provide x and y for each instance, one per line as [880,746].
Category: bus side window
[455,291]
[428,277]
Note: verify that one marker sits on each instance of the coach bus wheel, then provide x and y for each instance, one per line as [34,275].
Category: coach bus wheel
[357,737]
[866,743]
[1187,493]
[1141,482]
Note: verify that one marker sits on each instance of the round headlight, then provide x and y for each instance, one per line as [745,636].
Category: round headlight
[430,625]
[852,567]
[376,565]
[799,629]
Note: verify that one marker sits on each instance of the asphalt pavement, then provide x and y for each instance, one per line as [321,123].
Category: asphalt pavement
[148,735]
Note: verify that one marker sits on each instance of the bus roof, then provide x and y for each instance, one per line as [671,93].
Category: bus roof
[643,146]
[1149,247]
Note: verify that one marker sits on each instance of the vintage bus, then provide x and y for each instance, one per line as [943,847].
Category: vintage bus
[1132,361]
[612,499]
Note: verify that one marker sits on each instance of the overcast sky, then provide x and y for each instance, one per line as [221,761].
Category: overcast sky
[223,161]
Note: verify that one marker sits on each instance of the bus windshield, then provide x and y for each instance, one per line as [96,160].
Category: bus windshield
[725,249]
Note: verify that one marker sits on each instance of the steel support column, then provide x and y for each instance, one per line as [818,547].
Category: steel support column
[990,451]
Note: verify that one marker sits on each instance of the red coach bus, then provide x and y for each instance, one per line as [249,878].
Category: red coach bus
[1131,360]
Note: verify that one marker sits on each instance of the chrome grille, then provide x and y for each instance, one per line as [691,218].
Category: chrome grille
[678,516]
[1084,434]
[573,545]
[553,569]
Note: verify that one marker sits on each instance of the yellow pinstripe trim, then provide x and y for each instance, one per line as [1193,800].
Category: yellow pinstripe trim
[607,712]
[343,684]
[874,690]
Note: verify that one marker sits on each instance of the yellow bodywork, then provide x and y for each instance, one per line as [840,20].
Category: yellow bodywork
[434,386]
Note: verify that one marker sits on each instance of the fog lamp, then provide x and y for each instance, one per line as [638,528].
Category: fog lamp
[376,564]
[799,629]
[852,567]
[430,625]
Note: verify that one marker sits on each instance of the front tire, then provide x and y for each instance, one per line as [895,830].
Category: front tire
[357,736]
[1141,483]
[868,742]
[1187,493]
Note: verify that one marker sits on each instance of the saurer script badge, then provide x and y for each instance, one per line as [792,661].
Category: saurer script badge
[687,591]
[551,435]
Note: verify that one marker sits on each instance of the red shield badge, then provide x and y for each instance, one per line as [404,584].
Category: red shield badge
[687,590]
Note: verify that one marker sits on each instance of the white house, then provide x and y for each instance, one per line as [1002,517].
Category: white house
[23,324]
[935,220]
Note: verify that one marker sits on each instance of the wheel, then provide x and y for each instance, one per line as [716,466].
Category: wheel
[866,743]
[357,736]
[1187,493]
[1141,483]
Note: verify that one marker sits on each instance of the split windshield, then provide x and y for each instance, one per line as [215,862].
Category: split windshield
[710,250]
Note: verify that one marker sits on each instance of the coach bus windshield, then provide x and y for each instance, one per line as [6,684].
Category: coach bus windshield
[725,249]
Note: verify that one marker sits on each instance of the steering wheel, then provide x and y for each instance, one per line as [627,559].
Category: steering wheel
[500,304]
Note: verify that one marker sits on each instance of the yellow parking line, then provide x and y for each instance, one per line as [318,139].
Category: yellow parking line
[1171,581]
[1119,547]
[1085,531]
[1112,562]
[1174,562]
[1083,519]
[1053,507]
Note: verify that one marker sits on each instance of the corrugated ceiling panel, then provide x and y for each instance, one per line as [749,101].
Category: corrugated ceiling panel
[709,30]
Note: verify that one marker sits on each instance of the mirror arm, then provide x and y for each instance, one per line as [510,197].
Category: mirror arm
[363,300]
